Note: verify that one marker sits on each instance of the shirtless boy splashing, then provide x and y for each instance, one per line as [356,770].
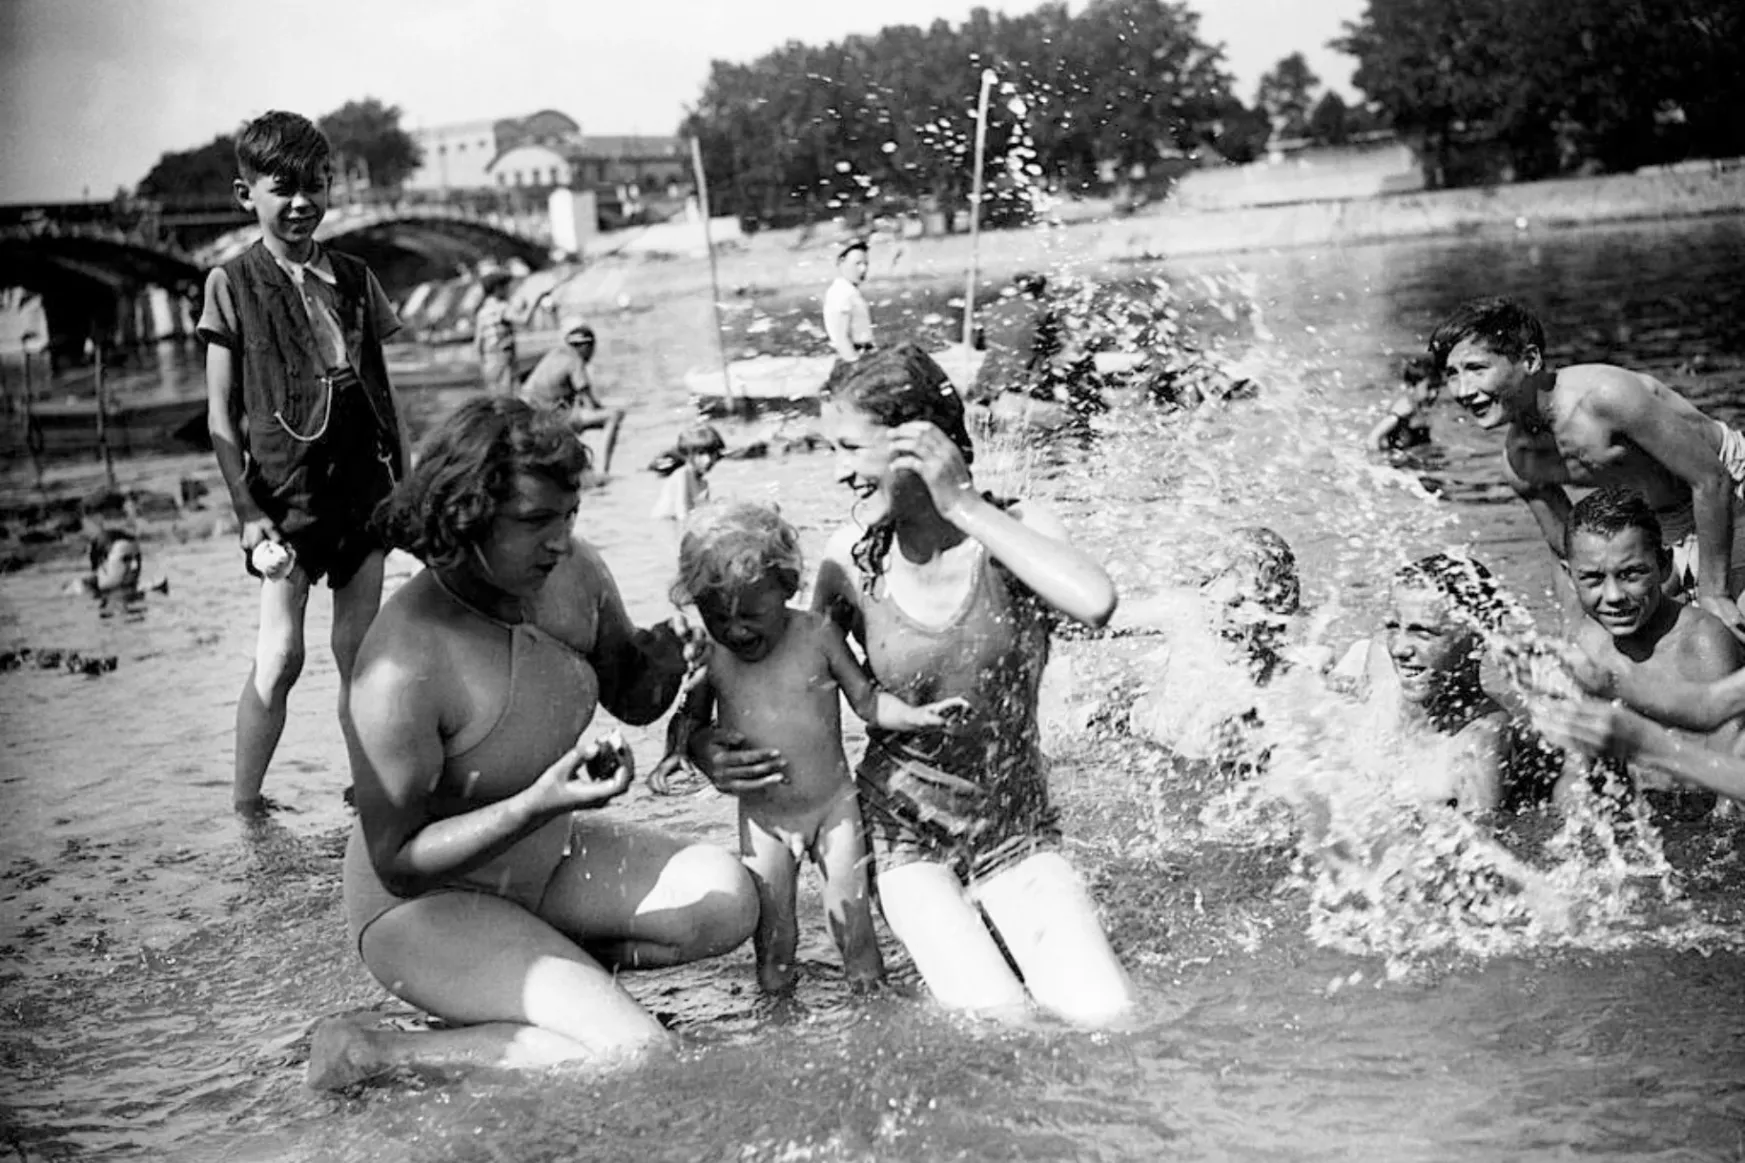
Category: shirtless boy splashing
[1594,425]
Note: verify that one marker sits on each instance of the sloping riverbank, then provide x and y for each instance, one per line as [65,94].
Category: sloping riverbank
[788,259]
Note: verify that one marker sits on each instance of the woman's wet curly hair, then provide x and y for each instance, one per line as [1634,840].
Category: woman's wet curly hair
[895,386]
[730,547]
[467,468]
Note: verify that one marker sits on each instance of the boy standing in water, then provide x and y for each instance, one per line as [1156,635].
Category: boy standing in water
[847,318]
[773,674]
[1596,425]
[1632,633]
[304,423]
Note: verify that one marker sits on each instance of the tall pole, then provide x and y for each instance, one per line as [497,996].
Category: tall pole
[714,278]
[975,212]
[103,418]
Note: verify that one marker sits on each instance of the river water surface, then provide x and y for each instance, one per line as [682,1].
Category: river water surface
[160,963]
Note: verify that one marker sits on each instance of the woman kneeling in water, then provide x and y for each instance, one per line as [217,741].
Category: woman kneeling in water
[481,885]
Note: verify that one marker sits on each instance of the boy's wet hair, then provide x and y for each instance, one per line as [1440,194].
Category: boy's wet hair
[893,386]
[278,144]
[1419,369]
[1274,564]
[1030,283]
[728,548]
[1609,512]
[104,541]
[497,282]
[1503,325]
[466,469]
[700,438]
[1470,589]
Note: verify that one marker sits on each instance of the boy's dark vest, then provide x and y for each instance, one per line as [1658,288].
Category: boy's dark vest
[277,367]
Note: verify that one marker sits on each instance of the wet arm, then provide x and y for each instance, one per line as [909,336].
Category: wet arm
[1695,706]
[1389,424]
[396,759]
[1037,552]
[1549,504]
[1647,744]
[1480,778]
[1666,434]
[640,670]
[875,707]
[221,390]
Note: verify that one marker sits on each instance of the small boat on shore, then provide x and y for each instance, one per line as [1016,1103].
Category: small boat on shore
[790,383]
[130,427]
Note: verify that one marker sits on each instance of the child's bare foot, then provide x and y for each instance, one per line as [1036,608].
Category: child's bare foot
[342,1052]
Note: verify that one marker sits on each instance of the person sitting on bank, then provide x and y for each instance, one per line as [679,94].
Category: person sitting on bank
[847,318]
[1407,424]
[561,380]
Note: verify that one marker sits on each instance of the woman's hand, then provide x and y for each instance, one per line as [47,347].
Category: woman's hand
[721,754]
[921,448]
[589,775]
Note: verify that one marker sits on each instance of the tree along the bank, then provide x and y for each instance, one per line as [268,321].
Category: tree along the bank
[366,137]
[806,132]
[1497,89]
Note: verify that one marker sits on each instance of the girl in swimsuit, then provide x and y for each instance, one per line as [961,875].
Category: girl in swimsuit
[773,674]
[480,883]
[952,594]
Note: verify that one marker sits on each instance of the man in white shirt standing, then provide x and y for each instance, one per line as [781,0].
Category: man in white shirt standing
[847,319]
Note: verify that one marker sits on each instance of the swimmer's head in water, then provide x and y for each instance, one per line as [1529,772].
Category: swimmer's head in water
[1419,371]
[701,440]
[1256,570]
[115,560]
[468,467]
[1615,557]
[740,564]
[1441,608]
[1251,581]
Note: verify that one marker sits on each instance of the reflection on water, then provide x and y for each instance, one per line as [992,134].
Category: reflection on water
[160,965]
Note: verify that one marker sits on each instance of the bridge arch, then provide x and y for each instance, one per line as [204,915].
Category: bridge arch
[436,237]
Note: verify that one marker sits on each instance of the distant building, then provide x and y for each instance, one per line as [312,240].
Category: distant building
[626,174]
[458,157]
[629,176]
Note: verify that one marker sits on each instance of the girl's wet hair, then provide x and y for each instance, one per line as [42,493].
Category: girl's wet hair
[1471,590]
[894,386]
[278,144]
[1503,325]
[700,438]
[1274,565]
[730,547]
[104,541]
[467,468]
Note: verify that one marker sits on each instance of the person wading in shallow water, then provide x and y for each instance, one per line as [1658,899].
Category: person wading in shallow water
[482,882]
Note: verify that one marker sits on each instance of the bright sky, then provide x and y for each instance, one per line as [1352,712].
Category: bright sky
[93,91]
